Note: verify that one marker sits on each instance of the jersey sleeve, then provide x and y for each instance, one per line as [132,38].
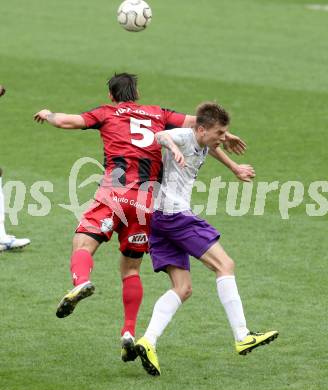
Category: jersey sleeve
[94,118]
[180,136]
[172,118]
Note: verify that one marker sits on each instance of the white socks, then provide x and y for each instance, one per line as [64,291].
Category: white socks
[167,305]
[230,299]
[2,212]
[164,309]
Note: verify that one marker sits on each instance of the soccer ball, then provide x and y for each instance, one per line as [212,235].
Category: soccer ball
[134,15]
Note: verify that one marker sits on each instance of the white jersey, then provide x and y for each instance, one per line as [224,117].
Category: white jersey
[175,192]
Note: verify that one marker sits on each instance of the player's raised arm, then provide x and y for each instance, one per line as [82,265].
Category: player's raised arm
[164,139]
[244,172]
[61,120]
[234,144]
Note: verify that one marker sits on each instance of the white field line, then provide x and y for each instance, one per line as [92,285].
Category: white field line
[317,7]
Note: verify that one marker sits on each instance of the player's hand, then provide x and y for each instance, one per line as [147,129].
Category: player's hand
[244,172]
[2,90]
[41,116]
[234,144]
[178,156]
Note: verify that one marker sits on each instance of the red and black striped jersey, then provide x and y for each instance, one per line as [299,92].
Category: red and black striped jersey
[127,131]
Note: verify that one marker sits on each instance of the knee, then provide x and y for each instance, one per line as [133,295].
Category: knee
[129,270]
[230,266]
[185,292]
[227,267]
[130,266]
[85,247]
[82,241]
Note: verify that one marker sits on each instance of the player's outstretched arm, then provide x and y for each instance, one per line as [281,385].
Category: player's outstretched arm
[61,120]
[164,139]
[244,172]
[234,144]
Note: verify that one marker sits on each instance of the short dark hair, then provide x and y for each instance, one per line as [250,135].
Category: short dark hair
[210,113]
[123,87]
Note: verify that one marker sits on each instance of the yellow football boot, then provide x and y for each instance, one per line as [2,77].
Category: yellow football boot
[254,340]
[148,356]
[71,299]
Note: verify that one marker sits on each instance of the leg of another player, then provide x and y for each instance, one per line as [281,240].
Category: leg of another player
[168,304]
[84,247]
[132,293]
[218,261]
[132,290]
[181,282]
[8,242]
[163,312]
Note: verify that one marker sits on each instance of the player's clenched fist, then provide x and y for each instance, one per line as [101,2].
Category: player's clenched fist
[2,90]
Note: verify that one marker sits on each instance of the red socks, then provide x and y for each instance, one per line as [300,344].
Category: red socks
[132,297]
[81,266]
[132,292]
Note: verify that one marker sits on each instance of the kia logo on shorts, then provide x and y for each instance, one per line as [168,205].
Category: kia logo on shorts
[138,238]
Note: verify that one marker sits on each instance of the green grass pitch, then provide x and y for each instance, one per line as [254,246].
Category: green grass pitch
[266,62]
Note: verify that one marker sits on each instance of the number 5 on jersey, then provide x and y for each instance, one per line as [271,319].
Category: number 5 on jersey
[148,135]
